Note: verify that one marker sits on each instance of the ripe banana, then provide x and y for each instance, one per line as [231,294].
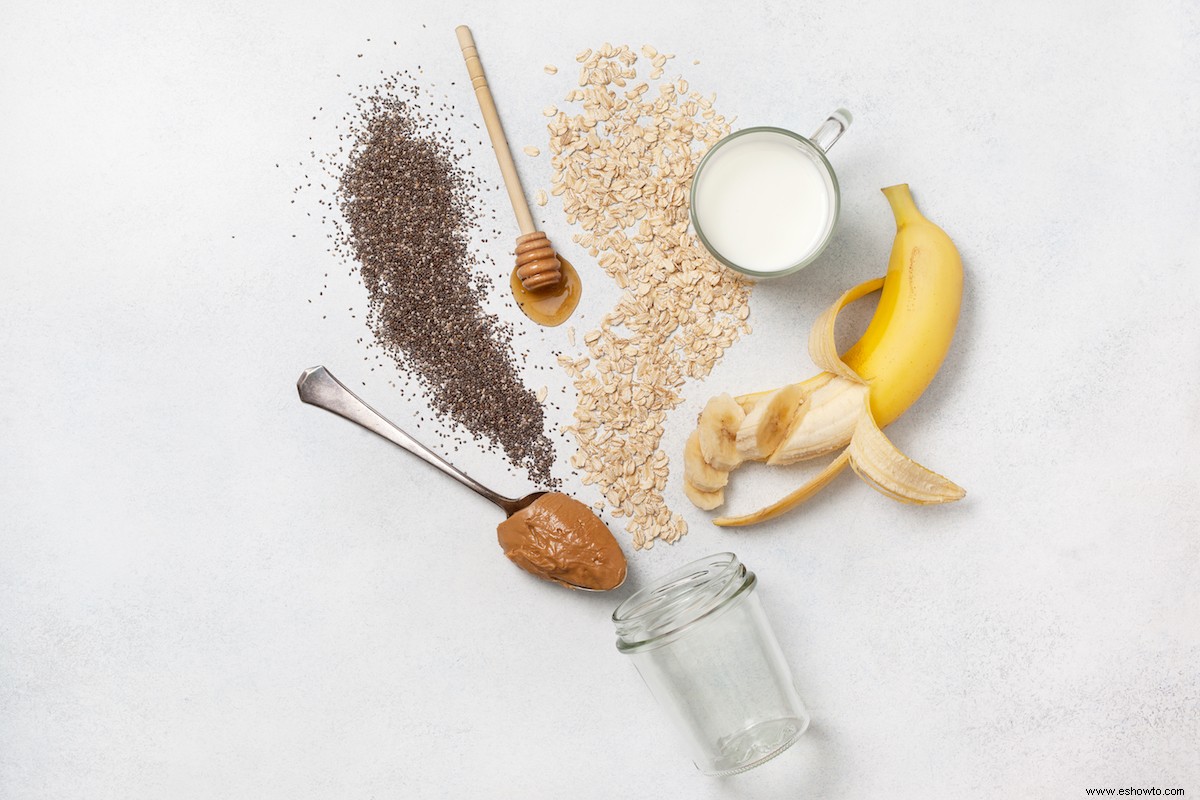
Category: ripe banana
[844,407]
[910,334]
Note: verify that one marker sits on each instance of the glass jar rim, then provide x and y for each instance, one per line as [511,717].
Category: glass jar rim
[678,601]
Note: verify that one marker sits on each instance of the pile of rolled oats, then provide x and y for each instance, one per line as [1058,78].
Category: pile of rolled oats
[623,166]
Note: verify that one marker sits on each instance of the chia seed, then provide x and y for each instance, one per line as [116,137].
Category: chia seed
[408,212]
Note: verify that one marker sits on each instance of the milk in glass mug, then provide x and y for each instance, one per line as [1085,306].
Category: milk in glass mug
[765,200]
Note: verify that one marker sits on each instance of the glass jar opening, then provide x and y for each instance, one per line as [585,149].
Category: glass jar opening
[680,599]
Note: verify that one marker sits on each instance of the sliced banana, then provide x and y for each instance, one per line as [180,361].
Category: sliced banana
[747,435]
[705,501]
[696,470]
[749,401]
[764,428]
[824,423]
[878,462]
[718,425]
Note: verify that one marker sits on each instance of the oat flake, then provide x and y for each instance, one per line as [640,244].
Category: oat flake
[623,164]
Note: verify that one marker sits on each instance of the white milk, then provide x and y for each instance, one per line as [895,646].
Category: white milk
[763,202]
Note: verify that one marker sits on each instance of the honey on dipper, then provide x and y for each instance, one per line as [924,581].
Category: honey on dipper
[545,286]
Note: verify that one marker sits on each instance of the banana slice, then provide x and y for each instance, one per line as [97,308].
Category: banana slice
[706,501]
[749,401]
[885,468]
[696,470]
[766,426]
[717,425]
[824,423]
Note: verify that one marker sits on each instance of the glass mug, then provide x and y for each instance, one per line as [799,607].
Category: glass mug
[701,642]
[764,201]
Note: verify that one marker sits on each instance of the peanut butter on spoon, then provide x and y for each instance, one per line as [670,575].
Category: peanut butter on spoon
[559,539]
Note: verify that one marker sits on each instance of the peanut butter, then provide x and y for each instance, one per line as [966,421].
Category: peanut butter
[558,538]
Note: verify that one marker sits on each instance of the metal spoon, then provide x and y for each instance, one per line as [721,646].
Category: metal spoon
[318,387]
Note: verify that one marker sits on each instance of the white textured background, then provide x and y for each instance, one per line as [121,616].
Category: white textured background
[208,590]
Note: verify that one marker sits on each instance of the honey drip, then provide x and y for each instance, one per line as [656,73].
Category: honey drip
[549,307]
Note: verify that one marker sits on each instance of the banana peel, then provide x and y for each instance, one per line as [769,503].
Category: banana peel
[884,468]
[790,501]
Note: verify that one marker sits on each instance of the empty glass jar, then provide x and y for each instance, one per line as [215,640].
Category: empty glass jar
[700,640]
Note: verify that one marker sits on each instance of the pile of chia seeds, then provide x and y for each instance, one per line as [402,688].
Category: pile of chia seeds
[408,211]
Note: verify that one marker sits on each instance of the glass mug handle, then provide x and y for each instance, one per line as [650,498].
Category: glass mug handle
[832,129]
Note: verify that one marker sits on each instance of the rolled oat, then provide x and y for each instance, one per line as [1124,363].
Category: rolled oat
[623,165]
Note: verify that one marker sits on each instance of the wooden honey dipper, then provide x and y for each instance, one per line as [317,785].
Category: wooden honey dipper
[538,266]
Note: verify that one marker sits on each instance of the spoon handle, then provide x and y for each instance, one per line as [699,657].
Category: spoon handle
[318,387]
